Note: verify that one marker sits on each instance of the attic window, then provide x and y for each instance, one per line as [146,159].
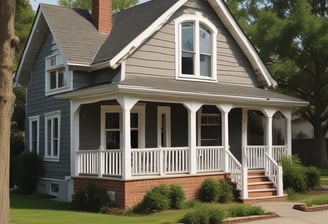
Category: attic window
[195,48]
[57,76]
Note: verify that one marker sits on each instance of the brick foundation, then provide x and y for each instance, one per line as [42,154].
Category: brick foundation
[129,193]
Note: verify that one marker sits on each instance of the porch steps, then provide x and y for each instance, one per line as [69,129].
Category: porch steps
[260,188]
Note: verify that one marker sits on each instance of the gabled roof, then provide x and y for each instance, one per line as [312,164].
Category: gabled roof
[83,46]
[76,37]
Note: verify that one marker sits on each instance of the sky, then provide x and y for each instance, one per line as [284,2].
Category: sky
[35,3]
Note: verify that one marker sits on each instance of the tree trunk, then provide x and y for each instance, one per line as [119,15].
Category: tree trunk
[8,43]
[320,146]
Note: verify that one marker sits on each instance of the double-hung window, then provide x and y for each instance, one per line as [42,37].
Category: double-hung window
[34,134]
[195,48]
[52,136]
[57,76]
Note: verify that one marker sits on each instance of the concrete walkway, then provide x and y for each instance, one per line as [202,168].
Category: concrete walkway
[288,215]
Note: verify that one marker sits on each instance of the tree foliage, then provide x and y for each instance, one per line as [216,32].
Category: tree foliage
[23,23]
[292,39]
[118,5]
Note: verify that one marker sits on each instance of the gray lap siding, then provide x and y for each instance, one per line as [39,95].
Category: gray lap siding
[37,105]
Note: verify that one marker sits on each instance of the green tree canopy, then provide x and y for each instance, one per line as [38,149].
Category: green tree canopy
[118,5]
[23,23]
[292,39]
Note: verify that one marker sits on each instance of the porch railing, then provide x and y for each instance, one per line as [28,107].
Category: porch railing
[274,172]
[253,156]
[235,168]
[152,161]
[160,161]
[279,151]
[210,158]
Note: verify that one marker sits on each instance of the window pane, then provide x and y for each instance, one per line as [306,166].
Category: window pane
[53,80]
[60,79]
[49,137]
[205,65]
[187,63]
[52,61]
[205,40]
[55,128]
[112,120]
[55,147]
[34,136]
[134,120]
[134,139]
[112,139]
[187,37]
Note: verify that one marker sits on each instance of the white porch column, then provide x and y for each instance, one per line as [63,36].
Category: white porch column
[288,116]
[244,134]
[126,104]
[192,108]
[225,109]
[75,137]
[269,115]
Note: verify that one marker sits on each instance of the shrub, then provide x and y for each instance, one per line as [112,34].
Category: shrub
[27,172]
[161,198]
[298,177]
[312,177]
[209,191]
[156,199]
[225,192]
[245,210]
[177,196]
[91,199]
[293,174]
[204,215]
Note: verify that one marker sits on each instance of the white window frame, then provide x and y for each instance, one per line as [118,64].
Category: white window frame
[51,116]
[197,19]
[138,108]
[167,112]
[30,121]
[58,67]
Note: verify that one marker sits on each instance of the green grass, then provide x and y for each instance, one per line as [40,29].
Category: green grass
[308,196]
[39,209]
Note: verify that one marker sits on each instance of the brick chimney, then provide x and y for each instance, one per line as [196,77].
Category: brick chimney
[102,15]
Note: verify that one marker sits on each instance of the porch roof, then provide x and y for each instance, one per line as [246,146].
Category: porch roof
[172,90]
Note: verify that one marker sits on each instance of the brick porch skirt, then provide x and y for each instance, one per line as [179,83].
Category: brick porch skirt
[130,193]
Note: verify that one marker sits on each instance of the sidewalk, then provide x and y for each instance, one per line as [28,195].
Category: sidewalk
[288,215]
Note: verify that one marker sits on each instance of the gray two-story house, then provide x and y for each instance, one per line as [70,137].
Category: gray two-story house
[159,93]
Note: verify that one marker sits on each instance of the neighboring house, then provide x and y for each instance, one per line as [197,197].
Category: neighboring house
[158,93]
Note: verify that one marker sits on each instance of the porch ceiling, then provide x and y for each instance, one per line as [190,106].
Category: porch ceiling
[147,88]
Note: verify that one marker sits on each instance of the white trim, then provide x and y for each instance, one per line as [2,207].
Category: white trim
[230,23]
[75,135]
[167,112]
[26,49]
[60,66]
[30,121]
[51,116]
[196,19]
[155,26]
[138,108]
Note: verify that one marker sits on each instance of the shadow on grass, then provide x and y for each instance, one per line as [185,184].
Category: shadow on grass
[36,201]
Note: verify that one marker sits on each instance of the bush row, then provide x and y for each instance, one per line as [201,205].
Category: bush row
[216,191]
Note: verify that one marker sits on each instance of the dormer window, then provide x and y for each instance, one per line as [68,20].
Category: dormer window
[57,76]
[196,48]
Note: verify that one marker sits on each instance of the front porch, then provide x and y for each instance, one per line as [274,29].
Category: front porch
[151,141]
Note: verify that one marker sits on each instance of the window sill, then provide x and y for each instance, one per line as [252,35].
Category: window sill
[51,159]
[196,78]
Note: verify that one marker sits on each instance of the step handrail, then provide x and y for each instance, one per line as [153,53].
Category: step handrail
[274,172]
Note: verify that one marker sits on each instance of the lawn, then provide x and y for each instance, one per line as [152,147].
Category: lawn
[36,209]
[39,209]
[324,176]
